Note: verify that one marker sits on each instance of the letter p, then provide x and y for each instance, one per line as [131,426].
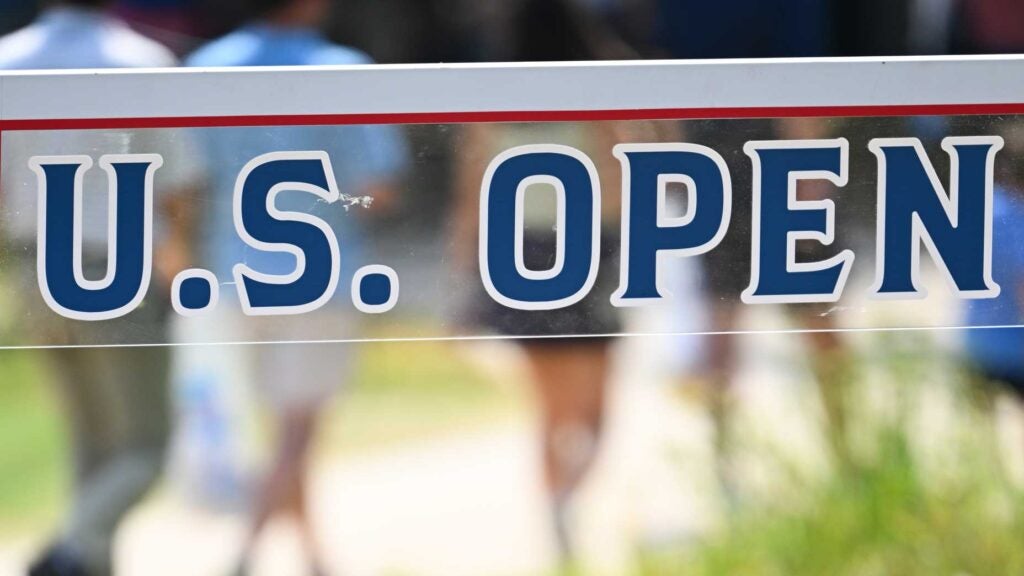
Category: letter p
[648,232]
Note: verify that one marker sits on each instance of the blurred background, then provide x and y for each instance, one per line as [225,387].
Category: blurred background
[786,446]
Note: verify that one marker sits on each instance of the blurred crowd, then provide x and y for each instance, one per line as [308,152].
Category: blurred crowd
[404,31]
[118,400]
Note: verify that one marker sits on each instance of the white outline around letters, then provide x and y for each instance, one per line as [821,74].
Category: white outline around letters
[595,256]
[666,221]
[241,271]
[84,164]
[520,224]
[357,297]
[950,204]
[844,258]
[189,274]
[621,152]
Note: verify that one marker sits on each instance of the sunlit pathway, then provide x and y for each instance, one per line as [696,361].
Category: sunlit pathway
[466,505]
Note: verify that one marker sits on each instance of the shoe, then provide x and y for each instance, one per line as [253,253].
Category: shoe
[58,562]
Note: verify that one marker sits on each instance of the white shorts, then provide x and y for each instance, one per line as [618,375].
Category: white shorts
[278,359]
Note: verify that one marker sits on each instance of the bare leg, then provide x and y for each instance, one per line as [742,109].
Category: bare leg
[832,367]
[571,381]
[721,368]
[284,491]
[298,508]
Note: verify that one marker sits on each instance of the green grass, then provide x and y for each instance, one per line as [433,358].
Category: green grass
[33,452]
[887,512]
[882,519]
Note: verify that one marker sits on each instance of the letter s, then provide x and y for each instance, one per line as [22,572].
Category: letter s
[263,226]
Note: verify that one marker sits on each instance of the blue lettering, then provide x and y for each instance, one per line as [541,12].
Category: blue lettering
[780,220]
[648,233]
[130,235]
[502,265]
[308,238]
[913,208]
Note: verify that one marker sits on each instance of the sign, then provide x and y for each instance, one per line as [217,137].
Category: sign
[514,200]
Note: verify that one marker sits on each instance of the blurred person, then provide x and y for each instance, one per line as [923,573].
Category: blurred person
[742,28]
[988,27]
[182,25]
[688,29]
[296,380]
[15,14]
[898,27]
[726,276]
[788,28]
[80,34]
[881,27]
[568,350]
[406,31]
[997,355]
[930,23]
[116,398]
[170,22]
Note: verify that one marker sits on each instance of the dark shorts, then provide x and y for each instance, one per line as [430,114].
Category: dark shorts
[1012,382]
[592,316]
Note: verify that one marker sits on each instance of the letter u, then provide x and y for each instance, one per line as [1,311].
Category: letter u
[129,235]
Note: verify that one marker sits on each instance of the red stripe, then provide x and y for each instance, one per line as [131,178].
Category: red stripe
[515,116]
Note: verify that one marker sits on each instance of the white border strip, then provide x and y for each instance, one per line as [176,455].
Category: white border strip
[636,85]
[491,338]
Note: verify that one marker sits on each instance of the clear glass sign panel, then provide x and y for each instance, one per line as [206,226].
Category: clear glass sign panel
[509,229]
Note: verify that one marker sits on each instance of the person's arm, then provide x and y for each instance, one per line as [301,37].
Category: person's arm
[473,142]
[802,128]
[605,136]
[176,250]
[807,129]
[180,184]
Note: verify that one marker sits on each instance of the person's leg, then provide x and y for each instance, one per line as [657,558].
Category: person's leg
[283,489]
[300,437]
[571,380]
[832,367]
[87,401]
[720,369]
[985,388]
[297,381]
[88,404]
[134,402]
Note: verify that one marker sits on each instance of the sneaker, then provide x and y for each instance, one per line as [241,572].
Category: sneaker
[58,562]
